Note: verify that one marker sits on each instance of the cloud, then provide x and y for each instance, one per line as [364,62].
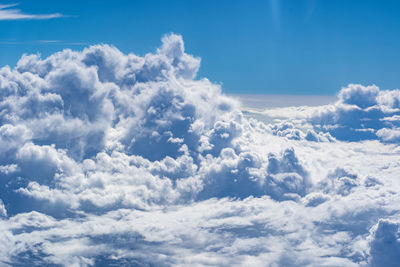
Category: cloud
[385,244]
[359,113]
[8,12]
[109,158]
[42,42]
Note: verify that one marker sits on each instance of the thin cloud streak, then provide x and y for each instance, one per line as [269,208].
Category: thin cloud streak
[9,13]
[40,42]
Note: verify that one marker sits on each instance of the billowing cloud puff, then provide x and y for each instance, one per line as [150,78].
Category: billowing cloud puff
[115,159]
[360,113]
[385,244]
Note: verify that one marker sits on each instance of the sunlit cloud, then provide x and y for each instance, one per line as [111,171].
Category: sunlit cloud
[109,158]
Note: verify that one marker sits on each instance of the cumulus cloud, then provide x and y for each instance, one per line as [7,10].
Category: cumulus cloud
[385,244]
[114,159]
[360,113]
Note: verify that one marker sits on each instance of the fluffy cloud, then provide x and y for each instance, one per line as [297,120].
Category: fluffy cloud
[360,113]
[108,158]
[385,244]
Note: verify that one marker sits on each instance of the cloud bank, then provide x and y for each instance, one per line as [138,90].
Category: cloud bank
[114,159]
[360,113]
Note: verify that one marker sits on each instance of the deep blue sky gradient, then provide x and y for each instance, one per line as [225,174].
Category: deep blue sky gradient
[263,47]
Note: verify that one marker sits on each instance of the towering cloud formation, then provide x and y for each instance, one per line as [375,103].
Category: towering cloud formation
[107,158]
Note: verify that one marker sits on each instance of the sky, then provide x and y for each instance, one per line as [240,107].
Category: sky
[305,47]
[211,146]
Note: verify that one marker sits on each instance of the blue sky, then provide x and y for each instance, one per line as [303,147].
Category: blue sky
[262,47]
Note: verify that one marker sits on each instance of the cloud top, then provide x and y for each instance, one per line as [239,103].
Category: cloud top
[109,158]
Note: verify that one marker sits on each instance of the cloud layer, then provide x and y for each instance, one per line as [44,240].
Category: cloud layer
[108,158]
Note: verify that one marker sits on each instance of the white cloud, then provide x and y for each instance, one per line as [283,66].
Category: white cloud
[385,244]
[3,210]
[111,158]
[8,12]
[360,113]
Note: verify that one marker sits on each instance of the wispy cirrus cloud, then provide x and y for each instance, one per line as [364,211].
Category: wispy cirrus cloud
[40,42]
[8,12]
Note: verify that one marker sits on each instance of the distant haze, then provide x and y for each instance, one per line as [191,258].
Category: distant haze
[259,101]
